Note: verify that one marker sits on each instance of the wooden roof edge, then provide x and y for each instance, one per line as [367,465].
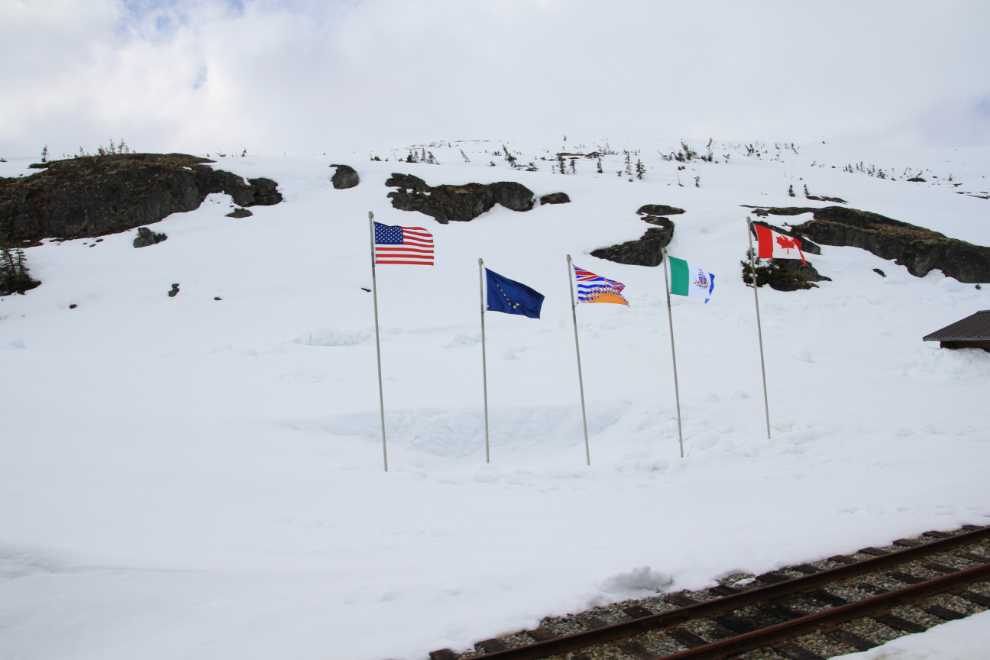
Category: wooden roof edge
[975,327]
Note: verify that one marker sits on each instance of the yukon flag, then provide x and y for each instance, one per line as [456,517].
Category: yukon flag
[774,245]
[689,279]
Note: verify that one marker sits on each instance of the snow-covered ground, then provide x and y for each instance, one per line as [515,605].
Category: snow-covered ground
[192,478]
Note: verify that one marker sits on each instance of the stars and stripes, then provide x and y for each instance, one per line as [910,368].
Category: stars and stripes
[403,245]
[597,289]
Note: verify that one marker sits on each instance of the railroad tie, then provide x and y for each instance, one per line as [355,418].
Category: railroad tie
[827,598]
[944,613]
[842,559]
[637,611]
[737,624]
[972,556]
[852,640]
[897,623]
[636,650]
[908,543]
[591,622]
[443,654]
[681,600]
[687,638]
[542,634]
[906,578]
[876,552]
[722,590]
[975,598]
[773,577]
[939,568]
[795,652]
[939,535]
[807,569]
[492,645]
[781,612]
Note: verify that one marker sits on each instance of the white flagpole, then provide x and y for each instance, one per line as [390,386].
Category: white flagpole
[673,354]
[577,346]
[378,345]
[484,365]
[759,330]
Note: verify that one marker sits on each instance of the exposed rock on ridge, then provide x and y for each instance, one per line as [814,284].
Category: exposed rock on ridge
[99,195]
[345,177]
[462,203]
[648,250]
[920,250]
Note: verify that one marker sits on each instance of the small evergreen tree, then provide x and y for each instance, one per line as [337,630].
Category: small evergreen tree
[562,167]
[806,193]
[640,169]
[628,163]
[509,157]
[573,166]
[44,154]
[600,166]
[790,190]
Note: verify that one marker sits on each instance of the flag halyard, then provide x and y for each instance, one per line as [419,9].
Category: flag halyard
[403,245]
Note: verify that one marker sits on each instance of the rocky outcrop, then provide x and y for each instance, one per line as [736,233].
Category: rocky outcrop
[920,250]
[345,177]
[647,251]
[240,213]
[513,196]
[783,274]
[659,209]
[555,198]
[147,237]
[99,195]
[461,203]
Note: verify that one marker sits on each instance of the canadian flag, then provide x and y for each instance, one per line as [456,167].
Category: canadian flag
[777,246]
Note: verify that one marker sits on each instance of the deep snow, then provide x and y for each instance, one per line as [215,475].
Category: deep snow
[186,477]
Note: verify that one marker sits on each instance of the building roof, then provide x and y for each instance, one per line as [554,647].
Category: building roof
[975,327]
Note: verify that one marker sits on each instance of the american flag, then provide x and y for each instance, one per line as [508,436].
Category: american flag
[403,245]
[596,289]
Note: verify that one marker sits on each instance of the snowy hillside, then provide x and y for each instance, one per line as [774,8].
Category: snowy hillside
[200,476]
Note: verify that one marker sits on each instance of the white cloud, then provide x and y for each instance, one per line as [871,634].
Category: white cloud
[308,76]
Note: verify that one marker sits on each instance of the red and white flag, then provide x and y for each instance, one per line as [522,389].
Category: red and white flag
[774,245]
[403,245]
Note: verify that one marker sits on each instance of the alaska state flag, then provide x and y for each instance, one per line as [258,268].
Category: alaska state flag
[511,297]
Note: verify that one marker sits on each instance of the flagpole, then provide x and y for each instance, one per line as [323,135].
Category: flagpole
[378,345]
[577,346]
[759,330]
[673,354]
[484,365]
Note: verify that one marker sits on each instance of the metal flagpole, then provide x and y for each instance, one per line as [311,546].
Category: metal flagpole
[673,354]
[484,365]
[378,345]
[584,416]
[759,330]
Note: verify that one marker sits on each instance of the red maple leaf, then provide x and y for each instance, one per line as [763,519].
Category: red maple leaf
[788,243]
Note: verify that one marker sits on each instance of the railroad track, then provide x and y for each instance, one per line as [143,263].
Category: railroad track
[840,605]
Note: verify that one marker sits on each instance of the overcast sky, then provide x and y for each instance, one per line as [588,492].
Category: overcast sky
[302,76]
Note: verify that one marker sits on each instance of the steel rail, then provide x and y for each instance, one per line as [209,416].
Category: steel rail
[673,618]
[828,619]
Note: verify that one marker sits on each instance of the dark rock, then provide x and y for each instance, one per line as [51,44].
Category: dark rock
[666,224]
[783,274]
[147,237]
[647,251]
[917,179]
[73,306]
[879,272]
[659,209]
[555,198]
[920,250]
[462,203]
[99,195]
[217,298]
[240,213]
[513,196]
[344,177]
[175,290]
[407,182]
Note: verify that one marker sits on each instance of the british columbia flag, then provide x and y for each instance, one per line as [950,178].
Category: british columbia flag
[597,289]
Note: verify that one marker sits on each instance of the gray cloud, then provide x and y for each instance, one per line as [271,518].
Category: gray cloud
[307,77]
